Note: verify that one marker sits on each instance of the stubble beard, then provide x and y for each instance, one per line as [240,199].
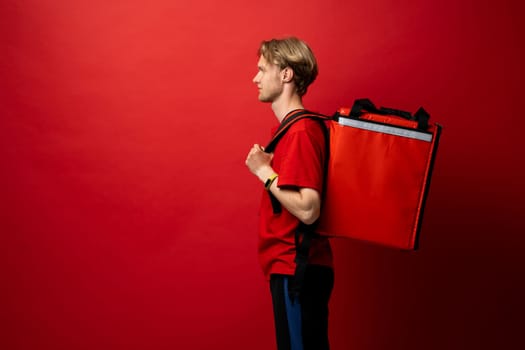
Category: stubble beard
[264,99]
[267,98]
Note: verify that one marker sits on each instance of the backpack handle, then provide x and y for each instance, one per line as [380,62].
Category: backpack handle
[364,104]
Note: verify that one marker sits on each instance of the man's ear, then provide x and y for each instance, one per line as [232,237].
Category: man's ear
[287,75]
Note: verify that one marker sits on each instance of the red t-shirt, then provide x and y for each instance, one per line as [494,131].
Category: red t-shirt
[299,159]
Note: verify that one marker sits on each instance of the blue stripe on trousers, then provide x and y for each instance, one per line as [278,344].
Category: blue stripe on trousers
[293,312]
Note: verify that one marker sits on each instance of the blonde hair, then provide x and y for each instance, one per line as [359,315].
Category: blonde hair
[294,53]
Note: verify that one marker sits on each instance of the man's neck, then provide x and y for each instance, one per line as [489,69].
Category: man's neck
[282,107]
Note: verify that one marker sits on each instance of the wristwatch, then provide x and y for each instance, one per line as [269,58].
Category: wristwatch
[268,183]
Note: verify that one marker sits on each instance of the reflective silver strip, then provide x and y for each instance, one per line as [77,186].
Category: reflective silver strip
[413,134]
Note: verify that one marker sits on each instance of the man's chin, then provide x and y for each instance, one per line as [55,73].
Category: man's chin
[264,99]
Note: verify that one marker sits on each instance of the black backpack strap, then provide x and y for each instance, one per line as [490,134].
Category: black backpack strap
[304,234]
[283,128]
[288,122]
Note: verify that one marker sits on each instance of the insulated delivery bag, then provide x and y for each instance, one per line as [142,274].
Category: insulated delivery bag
[377,175]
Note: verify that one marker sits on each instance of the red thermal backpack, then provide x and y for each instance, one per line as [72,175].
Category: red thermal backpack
[378,172]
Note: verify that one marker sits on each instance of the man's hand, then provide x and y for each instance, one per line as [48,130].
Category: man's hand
[303,203]
[258,162]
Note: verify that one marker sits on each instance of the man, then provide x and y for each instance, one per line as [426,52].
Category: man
[293,174]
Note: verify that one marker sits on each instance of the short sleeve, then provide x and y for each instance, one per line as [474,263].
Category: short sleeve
[302,164]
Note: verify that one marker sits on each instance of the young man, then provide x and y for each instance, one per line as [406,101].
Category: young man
[293,174]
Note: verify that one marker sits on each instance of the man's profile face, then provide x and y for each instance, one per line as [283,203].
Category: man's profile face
[268,80]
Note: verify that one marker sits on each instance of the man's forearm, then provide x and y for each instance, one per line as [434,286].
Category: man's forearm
[304,203]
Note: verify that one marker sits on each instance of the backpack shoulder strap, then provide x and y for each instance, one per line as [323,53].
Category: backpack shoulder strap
[304,233]
[288,122]
[283,128]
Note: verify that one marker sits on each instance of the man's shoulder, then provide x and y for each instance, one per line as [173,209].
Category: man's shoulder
[308,124]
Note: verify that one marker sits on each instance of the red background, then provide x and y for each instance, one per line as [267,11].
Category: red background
[128,218]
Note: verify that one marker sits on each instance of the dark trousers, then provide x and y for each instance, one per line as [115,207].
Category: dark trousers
[302,324]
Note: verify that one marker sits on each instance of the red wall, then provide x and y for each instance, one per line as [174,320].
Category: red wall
[128,219]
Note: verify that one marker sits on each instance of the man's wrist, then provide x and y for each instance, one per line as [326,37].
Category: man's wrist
[264,173]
